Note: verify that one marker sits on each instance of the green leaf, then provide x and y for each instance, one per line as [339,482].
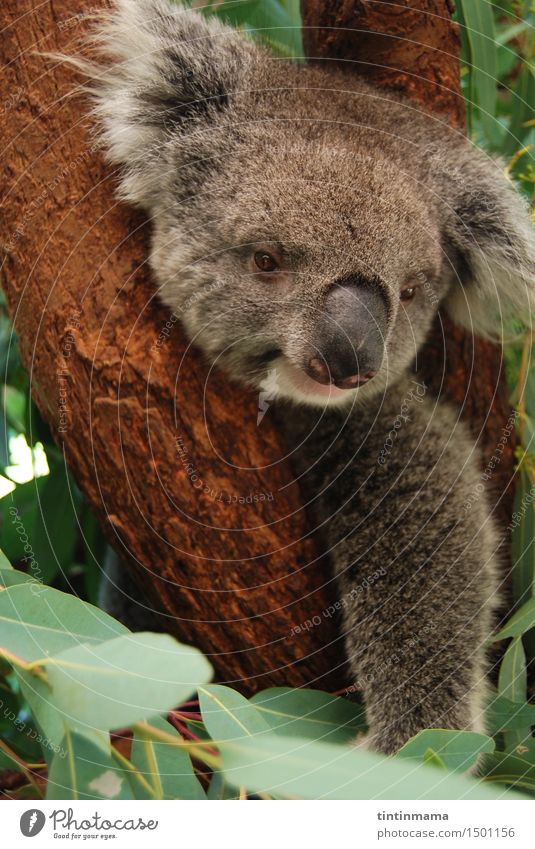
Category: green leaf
[227,715]
[17,517]
[14,403]
[523,549]
[25,746]
[479,32]
[514,767]
[85,770]
[167,769]
[126,679]
[310,713]
[94,555]
[9,706]
[507,33]
[16,728]
[523,110]
[48,719]
[519,623]
[513,684]
[8,761]
[505,715]
[458,750]
[506,59]
[4,442]
[4,562]
[308,769]
[37,621]
[11,577]
[431,758]
[512,681]
[276,24]
[54,530]
[220,789]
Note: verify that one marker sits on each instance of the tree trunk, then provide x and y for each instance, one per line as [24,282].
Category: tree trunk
[169,455]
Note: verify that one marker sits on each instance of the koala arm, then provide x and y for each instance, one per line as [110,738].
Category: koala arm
[414,550]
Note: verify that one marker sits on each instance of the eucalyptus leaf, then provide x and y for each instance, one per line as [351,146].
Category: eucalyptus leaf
[519,623]
[278,25]
[480,37]
[167,768]
[55,525]
[310,713]
[14,403]
[37,621]
[11,577]
[513,684]
[4,562]
[227,715]
[457,750]
[307,769]
[85,770]
[512,681]
[505,715]
[132,677]
[48,720]
[523,110]
[523,549]
[516,766]
[17,516]
[9,761]
[431,758]
[220,789]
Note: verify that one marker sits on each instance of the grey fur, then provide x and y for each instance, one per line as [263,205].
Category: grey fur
[232,151]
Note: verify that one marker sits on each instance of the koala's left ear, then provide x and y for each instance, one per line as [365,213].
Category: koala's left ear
[162,73]
[488,225]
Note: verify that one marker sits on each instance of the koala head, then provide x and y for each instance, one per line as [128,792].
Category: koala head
[304,223]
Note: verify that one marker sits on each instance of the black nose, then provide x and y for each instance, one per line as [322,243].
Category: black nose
[350,334]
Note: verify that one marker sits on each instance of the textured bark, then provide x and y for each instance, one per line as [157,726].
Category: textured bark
[157,442]
[410,46]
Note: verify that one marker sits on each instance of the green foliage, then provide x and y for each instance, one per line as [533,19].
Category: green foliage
[514,766]
[296,767]
[84,769]
[167,768]
[84,675]
[45,526]
[310,713]
[227,715]
[455,750]
[70,674]
[498,80]
[277,23]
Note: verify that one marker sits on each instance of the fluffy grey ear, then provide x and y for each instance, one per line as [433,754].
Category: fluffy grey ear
[489,226]
[161,71]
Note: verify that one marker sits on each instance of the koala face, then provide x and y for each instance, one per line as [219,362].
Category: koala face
[306,227]
[280,274]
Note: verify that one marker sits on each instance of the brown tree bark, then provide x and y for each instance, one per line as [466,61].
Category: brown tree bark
[167,452]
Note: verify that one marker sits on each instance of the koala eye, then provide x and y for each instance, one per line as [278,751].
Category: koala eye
[265,262]
[408,293]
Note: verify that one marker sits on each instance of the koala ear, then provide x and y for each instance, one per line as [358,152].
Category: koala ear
[489,227]
[162,70]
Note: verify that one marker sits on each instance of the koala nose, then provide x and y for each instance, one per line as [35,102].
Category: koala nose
[321,373]
[349,336]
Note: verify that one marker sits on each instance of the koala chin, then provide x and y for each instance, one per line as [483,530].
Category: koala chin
[306,229]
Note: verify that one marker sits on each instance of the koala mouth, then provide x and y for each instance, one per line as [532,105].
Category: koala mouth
[293,382]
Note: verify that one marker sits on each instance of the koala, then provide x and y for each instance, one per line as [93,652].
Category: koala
[306,229]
